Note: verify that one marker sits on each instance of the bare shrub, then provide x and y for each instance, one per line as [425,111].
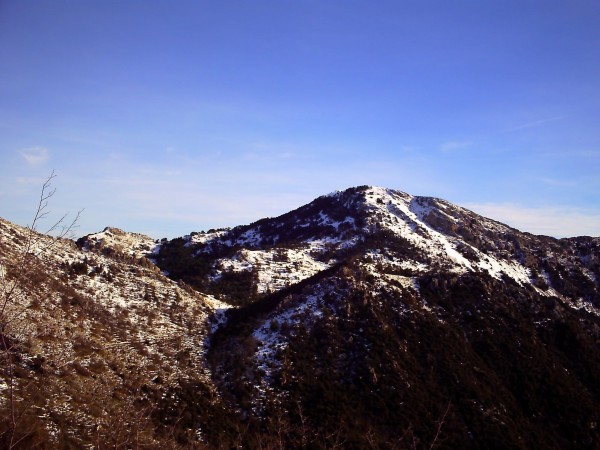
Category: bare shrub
[21,280]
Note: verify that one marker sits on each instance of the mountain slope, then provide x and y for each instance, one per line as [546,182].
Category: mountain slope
[426,313]
[96,343]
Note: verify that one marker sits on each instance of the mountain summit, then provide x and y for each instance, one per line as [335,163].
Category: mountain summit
[409,234]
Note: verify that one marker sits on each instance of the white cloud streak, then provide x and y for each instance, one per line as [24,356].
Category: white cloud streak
[35,156]
[535,123]
[554,221]
[450,146]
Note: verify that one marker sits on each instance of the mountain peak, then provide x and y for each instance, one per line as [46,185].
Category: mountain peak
[392,229]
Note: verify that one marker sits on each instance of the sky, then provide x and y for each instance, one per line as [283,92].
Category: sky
[166,117]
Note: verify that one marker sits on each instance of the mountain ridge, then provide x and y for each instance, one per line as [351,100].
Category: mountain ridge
[456,235]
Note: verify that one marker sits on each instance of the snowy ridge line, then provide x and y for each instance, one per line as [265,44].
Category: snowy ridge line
[411,226]
[279,252]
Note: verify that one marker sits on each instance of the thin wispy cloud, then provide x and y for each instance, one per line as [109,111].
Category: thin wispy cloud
[407,148]
[35,155]
[557,221]
[450,146]
[559,183]
[582,154]
[534,124]
[34,181]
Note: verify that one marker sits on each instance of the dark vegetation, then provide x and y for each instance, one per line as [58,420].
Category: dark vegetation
[377,373]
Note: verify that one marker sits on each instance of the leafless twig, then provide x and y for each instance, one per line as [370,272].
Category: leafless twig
[439,427]
[14,302]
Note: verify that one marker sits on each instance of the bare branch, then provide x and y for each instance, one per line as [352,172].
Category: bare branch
[46,193]
[440,424]
[14,326]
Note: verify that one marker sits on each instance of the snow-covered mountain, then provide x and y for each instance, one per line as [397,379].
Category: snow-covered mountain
[382,311]
[368,318]
[434,234]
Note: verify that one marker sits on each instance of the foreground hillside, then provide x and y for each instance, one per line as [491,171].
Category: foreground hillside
[368,318]
[95,345]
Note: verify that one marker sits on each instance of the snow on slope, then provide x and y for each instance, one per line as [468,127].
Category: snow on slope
[157,310]
[132,244]
[283,251]
[281,262]
[275,269]
[404,214]
[408,217]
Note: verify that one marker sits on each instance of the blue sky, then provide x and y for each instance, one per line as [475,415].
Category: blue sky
[169,117]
